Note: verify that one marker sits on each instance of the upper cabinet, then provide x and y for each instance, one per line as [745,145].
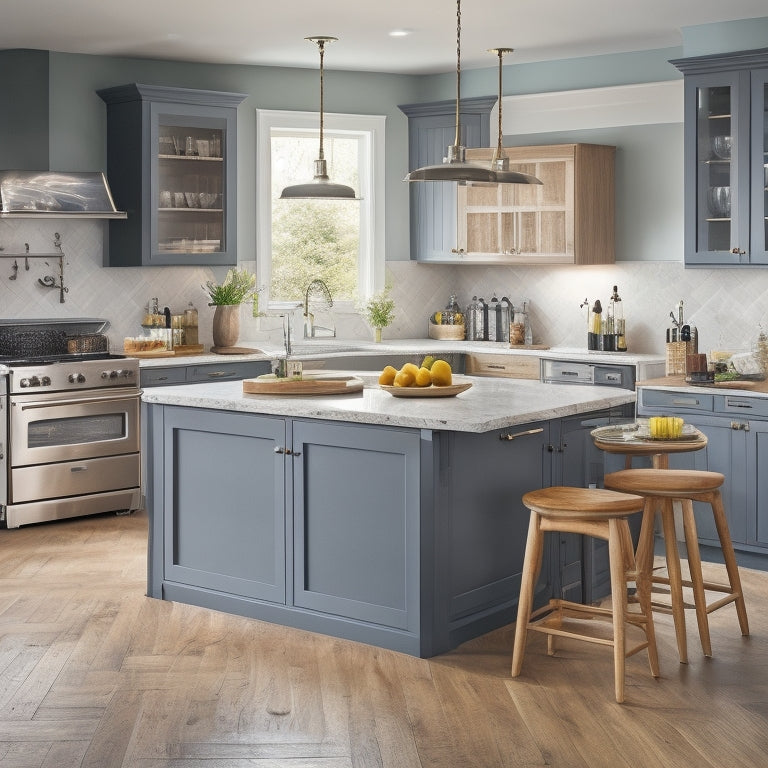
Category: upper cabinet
[726,158]
[431,130]
[568,219]
[171,164]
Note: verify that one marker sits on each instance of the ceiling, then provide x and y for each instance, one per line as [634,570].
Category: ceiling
[261,32]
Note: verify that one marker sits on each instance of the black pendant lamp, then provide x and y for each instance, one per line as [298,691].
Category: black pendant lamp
[454,166]
[321,187]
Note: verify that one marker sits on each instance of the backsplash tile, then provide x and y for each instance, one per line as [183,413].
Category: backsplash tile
[728,306]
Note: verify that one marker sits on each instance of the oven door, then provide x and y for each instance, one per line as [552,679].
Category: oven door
[56,426]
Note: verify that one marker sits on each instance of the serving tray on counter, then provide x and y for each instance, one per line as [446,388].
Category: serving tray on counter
[269,384]
[448,390]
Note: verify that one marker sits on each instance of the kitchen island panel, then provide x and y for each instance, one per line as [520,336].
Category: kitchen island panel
[224,511]
[356,513]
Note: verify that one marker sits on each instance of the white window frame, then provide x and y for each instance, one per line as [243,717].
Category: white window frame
[370,130]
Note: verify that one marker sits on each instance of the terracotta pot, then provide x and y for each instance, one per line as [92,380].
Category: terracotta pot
[226,325]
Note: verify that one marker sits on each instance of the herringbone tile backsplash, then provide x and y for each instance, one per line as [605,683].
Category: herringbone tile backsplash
[728,306]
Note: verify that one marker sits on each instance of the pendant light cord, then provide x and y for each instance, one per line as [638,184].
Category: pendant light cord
[457,137]
[321,46]
[501,53]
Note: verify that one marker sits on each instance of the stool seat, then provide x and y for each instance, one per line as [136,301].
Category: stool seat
[676,483]
[602,514]
[580,503]
[660,488]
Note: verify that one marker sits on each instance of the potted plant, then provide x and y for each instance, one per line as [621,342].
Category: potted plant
[239,285]
[379,311]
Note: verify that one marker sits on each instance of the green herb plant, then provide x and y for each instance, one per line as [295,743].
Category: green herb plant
[379,310]
[239,285]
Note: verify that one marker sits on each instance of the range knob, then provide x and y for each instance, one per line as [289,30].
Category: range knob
[46,381]
[113,374]
[34,381]
[127,374]
[76,378]
[24,383]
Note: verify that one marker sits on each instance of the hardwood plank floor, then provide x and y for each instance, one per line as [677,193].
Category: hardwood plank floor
[95,674]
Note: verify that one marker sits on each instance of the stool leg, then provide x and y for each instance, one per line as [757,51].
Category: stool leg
[675,577]
[534,548]
[697,580]
[726,545]
[643,565]
[616,556]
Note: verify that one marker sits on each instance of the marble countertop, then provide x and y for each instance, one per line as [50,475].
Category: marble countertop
[339,347]
[490,403]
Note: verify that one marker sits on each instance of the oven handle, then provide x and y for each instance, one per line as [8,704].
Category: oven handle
[79,401]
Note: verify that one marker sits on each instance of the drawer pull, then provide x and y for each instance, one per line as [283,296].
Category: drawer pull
[692,401]
[496,366]
[509,436]
[740,425]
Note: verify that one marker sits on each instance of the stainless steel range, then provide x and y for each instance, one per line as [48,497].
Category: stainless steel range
[72,423]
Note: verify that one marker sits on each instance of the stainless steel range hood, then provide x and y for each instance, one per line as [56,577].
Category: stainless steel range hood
[56,195]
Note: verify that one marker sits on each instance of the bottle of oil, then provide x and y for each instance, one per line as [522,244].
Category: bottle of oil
[594,335]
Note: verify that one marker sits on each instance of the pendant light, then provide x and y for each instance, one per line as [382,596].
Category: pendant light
[499,161]
[454,166]
[321,186]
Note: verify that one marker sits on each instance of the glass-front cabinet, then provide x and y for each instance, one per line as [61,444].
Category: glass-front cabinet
[726,141]
[171,164]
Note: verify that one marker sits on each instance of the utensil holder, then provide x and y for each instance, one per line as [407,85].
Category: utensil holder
[676,356]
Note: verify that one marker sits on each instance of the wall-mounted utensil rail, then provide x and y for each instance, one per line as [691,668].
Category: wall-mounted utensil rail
[48,281]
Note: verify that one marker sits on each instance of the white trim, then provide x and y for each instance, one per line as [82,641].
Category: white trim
[640,104]
[372,190]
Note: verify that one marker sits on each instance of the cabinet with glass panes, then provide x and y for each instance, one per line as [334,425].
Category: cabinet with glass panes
[726,158]
[171,164]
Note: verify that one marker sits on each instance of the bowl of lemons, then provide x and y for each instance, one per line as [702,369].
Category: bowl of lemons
[431,378]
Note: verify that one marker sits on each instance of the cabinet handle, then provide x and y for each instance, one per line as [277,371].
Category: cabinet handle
[740,425]
[496,366]
[457,250]
[685,401]
[509,436]
[738,251]
[279,449]
[218,374]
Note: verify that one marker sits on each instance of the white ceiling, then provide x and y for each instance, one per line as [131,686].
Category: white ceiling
[270,32]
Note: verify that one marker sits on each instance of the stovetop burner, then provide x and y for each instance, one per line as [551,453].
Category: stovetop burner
[37,360]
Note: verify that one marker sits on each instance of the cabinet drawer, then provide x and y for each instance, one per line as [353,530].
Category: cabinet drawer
[508,366]
[748,407]
[161,377]
[226,371]
[660,399]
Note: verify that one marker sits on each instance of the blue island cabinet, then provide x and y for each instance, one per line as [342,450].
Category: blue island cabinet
[404,538]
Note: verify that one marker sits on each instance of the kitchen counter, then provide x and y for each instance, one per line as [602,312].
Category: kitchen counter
[754,388]
[326,348]
[490,404]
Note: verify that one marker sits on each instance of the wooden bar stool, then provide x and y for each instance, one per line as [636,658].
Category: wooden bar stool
[660,489]
[602,514]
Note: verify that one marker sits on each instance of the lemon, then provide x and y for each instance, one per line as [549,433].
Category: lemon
[387,376]
[441,373]
[423,377]
[437,318]
[412,368]
[427,362]
[405,378]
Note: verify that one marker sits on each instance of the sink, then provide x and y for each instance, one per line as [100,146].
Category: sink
[325,347]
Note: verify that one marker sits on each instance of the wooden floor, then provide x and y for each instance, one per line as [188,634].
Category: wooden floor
[93,673]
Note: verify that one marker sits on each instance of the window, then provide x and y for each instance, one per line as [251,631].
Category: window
[339,241]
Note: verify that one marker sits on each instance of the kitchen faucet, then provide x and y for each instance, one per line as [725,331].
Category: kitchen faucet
[310,329]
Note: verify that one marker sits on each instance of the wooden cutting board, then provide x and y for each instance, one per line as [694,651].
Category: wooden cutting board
[234,350]
[269,384]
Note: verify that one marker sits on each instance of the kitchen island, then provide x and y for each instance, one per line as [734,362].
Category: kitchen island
[392,521]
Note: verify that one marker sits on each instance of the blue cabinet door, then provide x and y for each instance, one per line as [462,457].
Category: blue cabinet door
[431,130]
[224,502]
[356,502]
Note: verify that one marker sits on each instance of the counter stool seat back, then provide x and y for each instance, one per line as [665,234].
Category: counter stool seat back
[601,514]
